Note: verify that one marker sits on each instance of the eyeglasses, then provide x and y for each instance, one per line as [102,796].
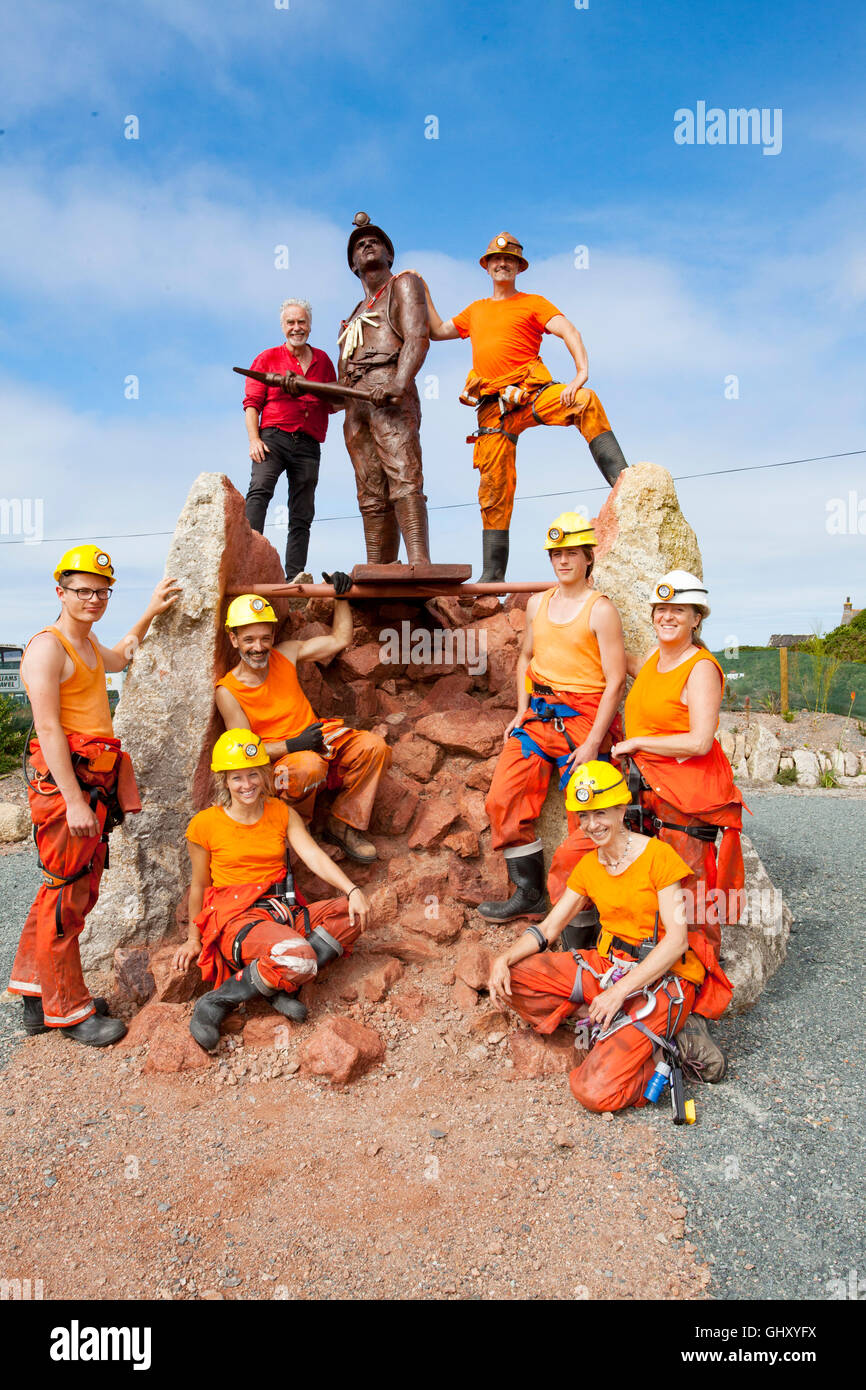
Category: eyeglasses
[85,595]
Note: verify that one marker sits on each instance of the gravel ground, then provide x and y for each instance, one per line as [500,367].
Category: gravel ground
[19,877]
[774,1171]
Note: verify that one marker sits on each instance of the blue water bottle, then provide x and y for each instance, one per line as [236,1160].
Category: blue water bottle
[657,1082]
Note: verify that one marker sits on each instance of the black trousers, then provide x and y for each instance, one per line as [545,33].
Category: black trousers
[297,455]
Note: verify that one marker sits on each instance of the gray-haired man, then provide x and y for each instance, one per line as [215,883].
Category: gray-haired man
[287,432]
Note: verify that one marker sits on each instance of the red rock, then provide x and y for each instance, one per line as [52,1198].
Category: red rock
[173,986]
[132,974]
[387,703]
[441,921]
[464,997]
[359,703]
[448,692]
[306,633]
[516,601]
[409,1005]
[417,756]
[491,1021]
[472,964]
[341,1050]
[535,1056]
[146,1022]
[463,842]
[517,619]
[481,775]
[365,663]
[384,905]
[472,810]
[453,611]
[395,805]
[378,978]
[268,1030]
[465,731]
[433,818]
[478,880]
[484,607]
[172,1047]
[407,946]
[419,878]
[502,669]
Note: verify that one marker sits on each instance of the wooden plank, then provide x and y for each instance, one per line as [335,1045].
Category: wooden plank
[783,679]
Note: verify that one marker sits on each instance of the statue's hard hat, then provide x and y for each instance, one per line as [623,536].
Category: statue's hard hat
[504,244]
[364,227]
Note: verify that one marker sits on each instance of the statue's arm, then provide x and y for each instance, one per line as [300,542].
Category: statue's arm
[410,315]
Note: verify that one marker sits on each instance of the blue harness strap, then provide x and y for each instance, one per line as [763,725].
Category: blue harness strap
[543,713]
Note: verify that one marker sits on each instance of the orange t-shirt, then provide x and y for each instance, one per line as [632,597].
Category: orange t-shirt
[84,707]
[278,708]
[627,903]
[565,656]
[243,853]
[505,333]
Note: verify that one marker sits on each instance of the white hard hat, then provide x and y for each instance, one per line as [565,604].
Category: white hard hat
[678,586]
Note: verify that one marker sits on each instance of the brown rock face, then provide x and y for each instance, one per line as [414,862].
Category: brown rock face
[341,1050]
[396,804]
[472,964]
[433,819]
[449,692]
[165,1029]
[464,731]
[173,986]
[534,1056]
[149,1020]
[440,921]
[416,756]
[132,974]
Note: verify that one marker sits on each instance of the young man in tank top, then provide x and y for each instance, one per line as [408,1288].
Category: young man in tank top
[81,785]
[570,680]
[263,693]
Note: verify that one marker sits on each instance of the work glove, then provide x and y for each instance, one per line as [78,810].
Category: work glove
[310,741]
[342,582]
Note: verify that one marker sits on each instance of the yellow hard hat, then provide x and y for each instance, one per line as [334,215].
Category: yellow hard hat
[505,245]
[86,559]
[238,749]
[596,785]
[249,608]
[569,529]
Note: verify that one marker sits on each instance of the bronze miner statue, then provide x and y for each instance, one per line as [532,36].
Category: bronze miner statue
[383,345]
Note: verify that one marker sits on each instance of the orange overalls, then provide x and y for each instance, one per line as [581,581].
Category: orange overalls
[356,759]
[549,987]
[245,921]
[48,961]
[566,673]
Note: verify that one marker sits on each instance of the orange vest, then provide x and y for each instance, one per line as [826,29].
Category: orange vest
[84,707]
[278,708]
[565,656]
[699,785]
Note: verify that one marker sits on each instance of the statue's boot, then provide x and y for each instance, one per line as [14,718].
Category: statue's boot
[381,536]
[608,456]
[495,554]
[411,515]
[582,931]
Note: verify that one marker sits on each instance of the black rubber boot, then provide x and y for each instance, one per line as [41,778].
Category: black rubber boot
[325,947]
[529,899]
[608,456]
[212,1008]
[581,934]
[495,554]
[290,1006]
[96,1031]
[34,1018]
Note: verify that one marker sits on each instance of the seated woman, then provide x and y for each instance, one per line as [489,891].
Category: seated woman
[247,931]
[647,972]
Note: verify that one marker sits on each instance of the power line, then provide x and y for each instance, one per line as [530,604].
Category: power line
[457,506]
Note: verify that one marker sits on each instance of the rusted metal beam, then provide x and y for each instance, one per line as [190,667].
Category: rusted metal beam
[420,591]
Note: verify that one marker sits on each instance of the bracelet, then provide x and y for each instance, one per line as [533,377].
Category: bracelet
[539,936]
[356,889]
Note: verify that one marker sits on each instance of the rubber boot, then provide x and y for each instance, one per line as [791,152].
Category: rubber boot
[411,515]
[703,1058]
[212,1008]
[325,946]
[529,899]
[96,1031]
[495,555]
[290,1006]
[581,934]
[381,537]
[34,1018]
[608,456]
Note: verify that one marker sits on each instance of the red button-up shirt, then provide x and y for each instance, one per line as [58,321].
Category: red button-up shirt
[277,409]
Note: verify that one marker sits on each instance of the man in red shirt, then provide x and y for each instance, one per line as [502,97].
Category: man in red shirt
[287,432]
[513,390]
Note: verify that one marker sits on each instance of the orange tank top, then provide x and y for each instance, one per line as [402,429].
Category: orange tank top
[84,707]
[278,708]
[565,656]
[653,705]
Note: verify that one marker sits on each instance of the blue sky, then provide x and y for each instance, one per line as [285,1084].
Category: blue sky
[262,126]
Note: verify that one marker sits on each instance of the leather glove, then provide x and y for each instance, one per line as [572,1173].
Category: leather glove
[342,582]
[310,741]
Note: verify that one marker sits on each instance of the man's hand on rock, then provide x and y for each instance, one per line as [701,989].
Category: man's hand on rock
[185,955]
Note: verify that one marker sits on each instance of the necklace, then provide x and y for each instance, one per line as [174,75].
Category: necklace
[615,863]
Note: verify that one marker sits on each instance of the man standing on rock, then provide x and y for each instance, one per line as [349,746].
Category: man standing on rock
[262,693]
[383,345]
[513,390]
[82,786]
[570,680]
[286,433]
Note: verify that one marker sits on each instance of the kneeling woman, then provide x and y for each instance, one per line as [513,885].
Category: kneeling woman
[246,931]
[636,991]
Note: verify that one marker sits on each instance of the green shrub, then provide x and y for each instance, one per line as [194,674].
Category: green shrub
[788,716]
[786,776]
[828,778]
[14,723]
[847,642]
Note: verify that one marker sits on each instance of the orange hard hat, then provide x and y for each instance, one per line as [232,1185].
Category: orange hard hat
[505,245]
